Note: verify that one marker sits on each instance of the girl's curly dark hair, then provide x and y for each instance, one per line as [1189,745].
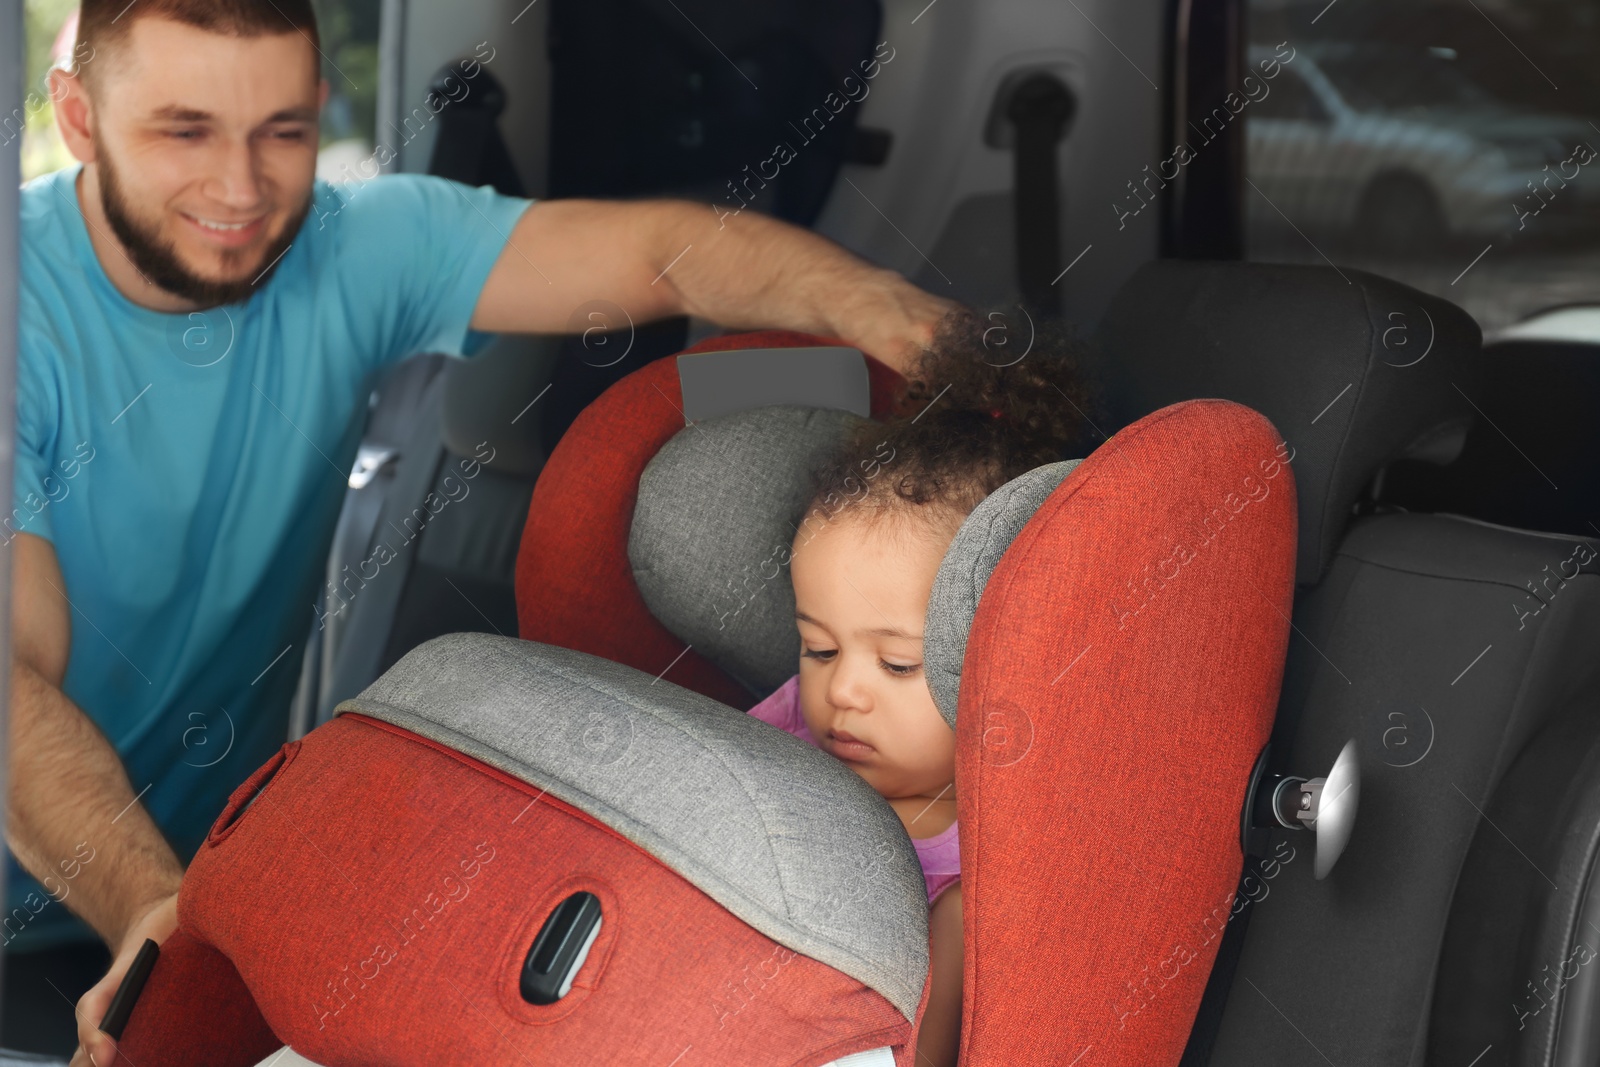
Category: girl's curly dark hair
[978,410]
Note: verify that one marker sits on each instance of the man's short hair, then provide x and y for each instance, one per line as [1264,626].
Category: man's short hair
[102,23]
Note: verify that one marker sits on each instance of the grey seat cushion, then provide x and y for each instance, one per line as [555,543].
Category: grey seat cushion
[717,511]
[978,545]
[782,835]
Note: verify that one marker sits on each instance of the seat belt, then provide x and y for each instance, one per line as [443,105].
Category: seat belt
[469,147]
[1208,1020]
[1041,109]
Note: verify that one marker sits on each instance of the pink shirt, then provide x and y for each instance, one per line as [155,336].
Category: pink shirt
[939,855]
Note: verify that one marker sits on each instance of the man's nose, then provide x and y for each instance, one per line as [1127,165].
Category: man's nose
[235,178]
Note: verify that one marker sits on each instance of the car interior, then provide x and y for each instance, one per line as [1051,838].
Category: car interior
[1346,256]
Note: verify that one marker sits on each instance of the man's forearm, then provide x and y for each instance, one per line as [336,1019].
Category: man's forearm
[749,270]
[569,264]
[70,799]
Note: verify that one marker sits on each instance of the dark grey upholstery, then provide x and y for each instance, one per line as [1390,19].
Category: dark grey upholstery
[1461,656]
[1530,462]
[749,814]
[464,431]
[1353,369]
[1412,645]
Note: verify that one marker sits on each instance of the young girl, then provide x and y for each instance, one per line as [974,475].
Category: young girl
[972,417]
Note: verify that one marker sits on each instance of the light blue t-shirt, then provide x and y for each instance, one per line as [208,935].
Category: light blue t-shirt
[189,468]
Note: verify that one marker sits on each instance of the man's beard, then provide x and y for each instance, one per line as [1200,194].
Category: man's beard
[158,260]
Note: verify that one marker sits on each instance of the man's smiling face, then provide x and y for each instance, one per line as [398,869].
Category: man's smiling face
[206,148]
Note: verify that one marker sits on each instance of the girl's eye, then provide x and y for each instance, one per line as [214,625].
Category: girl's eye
[897,670]
[823,654]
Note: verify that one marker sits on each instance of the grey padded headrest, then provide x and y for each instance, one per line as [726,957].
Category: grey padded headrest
[749,814]
[982,539]
[718,508]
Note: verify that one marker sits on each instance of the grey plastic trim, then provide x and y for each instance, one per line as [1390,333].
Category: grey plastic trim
[722,383]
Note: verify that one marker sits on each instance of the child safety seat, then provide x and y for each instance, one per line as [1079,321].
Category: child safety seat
[575,848]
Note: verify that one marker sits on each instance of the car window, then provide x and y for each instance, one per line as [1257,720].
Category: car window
[1384,79]
[1290,98]
[1463,163]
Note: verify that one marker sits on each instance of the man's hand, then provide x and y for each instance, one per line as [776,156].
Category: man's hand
[890,319]
[95,1047]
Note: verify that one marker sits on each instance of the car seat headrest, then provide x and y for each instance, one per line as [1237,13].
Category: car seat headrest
[1355,370]
[982,539]
[717,512]
[747,813]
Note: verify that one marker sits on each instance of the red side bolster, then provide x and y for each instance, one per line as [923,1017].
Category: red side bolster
[381,896]
[1121,677]
[194,1010]
[574,584]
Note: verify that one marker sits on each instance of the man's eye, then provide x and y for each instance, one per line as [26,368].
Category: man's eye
[897,670]
[295,136]
[186,135]
[823,654]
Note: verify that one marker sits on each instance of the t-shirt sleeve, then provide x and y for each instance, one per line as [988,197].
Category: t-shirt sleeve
[782,707]
[418,249]
[34,482]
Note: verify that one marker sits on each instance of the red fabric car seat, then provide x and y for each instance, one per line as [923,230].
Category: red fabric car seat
[1181,616]
[376,893]
[1118,682]
[1120,679]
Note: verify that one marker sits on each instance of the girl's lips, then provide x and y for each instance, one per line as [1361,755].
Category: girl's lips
[846,747]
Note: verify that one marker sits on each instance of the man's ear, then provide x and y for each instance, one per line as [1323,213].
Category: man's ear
[73,108]
[322,95]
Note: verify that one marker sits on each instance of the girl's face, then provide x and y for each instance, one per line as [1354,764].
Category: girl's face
[861,595]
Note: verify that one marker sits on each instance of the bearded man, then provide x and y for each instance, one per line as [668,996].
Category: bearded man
[200,319]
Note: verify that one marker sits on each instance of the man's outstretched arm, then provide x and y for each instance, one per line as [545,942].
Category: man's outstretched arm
[657,258]
[73,821]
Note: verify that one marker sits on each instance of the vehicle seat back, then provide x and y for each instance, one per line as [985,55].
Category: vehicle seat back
[1447,648]
[1330,356]
[1528,461]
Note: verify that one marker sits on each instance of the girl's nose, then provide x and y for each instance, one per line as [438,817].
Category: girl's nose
[847,688]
